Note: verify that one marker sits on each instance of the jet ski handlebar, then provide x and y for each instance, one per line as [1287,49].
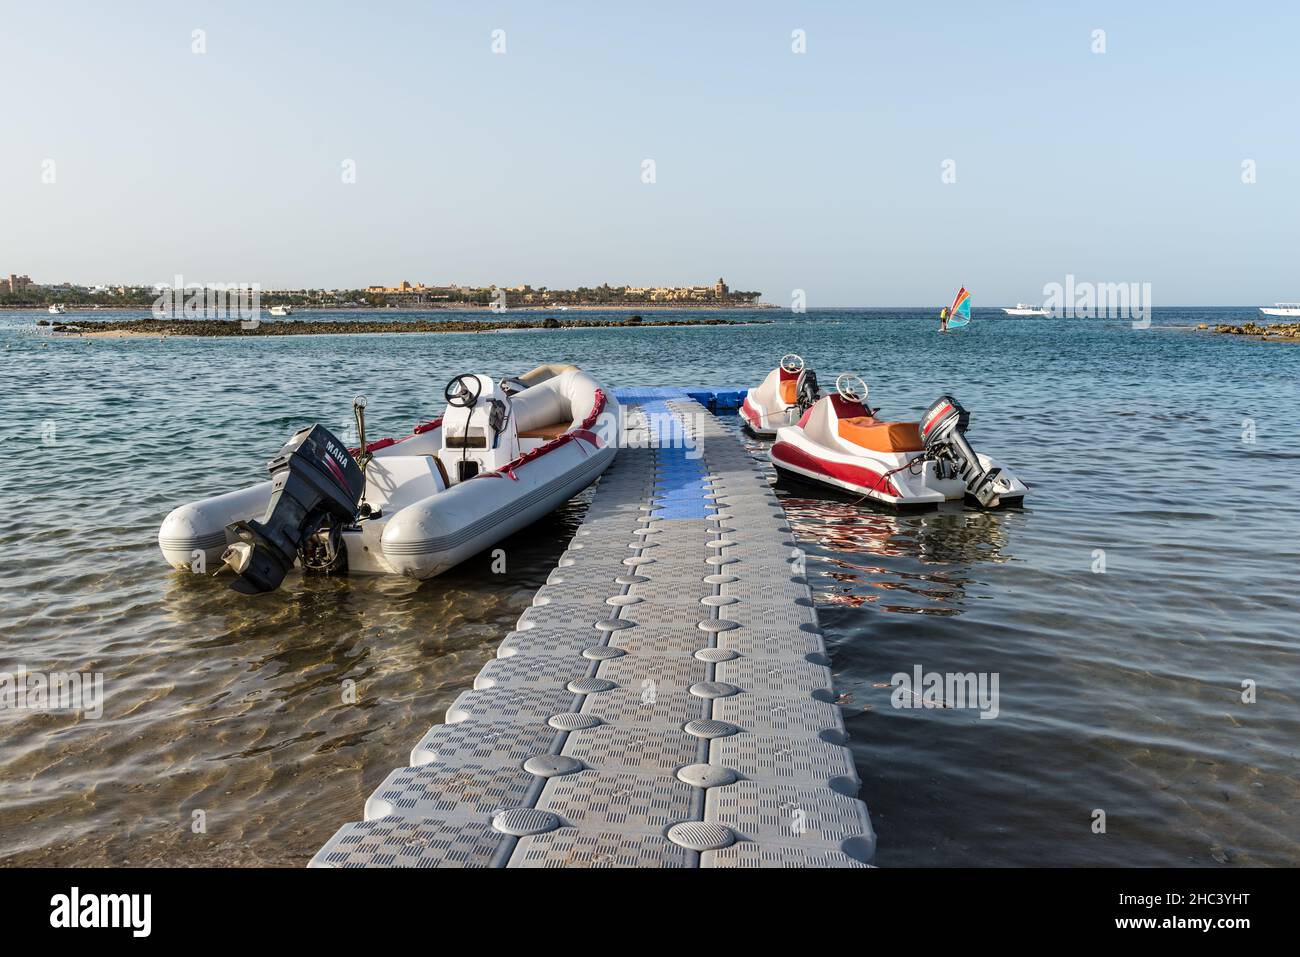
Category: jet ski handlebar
[843,383]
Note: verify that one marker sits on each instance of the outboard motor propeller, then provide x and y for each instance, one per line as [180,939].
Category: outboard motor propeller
[316,490]
[943,432]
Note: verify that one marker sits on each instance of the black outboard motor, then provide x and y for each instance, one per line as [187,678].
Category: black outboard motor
[943,432]
[316,491]
[805,390]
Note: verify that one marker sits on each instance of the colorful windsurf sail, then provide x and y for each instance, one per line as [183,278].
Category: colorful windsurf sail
[959,311]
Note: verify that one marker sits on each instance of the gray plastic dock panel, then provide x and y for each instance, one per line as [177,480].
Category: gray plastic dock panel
[665,702]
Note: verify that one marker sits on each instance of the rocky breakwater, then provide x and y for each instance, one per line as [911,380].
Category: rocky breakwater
[315,327]
[1275,332]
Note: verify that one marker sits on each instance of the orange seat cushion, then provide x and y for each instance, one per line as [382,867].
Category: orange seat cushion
[547,432]
[788,394]
[880,436]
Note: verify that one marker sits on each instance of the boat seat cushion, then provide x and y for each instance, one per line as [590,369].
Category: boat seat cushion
[788,394]
[871,433]
[546,432]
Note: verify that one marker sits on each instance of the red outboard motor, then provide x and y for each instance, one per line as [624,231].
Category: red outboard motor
[316,491]
[943,432]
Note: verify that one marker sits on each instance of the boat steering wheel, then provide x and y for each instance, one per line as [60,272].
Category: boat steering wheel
[791,362]
[844,383]
[463,391]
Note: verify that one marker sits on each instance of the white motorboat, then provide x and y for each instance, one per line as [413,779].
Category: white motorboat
[281,311]
[58,309]
[840,444]
[502,456]
[1025,309]
[786,394]
[1282,310]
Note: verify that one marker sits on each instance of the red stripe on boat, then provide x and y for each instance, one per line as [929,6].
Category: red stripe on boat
[378,444]
[583,431]
[858,475]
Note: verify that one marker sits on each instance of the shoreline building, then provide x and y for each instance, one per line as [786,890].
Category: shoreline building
[16,283]
[525,294]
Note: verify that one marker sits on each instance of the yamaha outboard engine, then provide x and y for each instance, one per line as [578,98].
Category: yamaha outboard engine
[943,432]
[316,489]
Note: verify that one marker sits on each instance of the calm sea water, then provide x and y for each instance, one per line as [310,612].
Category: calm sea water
[1119,691]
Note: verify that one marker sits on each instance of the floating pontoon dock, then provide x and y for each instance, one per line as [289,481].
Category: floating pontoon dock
[666,702]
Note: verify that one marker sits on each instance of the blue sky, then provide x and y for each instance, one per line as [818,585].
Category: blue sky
[779,171]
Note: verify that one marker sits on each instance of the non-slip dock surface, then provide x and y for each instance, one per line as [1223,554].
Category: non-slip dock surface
[666,702]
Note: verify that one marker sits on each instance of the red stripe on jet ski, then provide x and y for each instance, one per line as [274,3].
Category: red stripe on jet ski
[866,479]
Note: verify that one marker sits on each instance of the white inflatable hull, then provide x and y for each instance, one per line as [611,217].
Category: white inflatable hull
[429,537]
[427,526]
[194,536]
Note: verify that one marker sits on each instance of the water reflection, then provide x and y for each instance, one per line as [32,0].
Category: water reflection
[867,555]
[909,562]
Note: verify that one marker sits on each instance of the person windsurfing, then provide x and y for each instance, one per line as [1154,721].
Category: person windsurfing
[958,314]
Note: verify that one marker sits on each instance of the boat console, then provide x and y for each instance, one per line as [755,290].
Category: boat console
[478,430]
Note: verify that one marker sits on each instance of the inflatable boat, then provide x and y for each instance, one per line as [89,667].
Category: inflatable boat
[839,443]
[502,456]
[786,394]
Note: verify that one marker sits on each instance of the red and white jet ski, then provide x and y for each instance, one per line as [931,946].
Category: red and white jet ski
[839,443]
[787,393]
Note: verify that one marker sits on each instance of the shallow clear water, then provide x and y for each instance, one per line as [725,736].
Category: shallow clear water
[1118,691]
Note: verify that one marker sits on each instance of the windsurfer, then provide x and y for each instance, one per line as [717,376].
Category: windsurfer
[943,319]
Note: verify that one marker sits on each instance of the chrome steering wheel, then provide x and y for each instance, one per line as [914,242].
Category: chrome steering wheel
[844,383]
[791,362]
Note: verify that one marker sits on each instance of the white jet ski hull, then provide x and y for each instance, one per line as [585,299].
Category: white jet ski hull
[884,462]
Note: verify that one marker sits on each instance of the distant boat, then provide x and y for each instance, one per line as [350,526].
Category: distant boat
[1025,309]
[1282,310]
[58,309]
[281,311]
